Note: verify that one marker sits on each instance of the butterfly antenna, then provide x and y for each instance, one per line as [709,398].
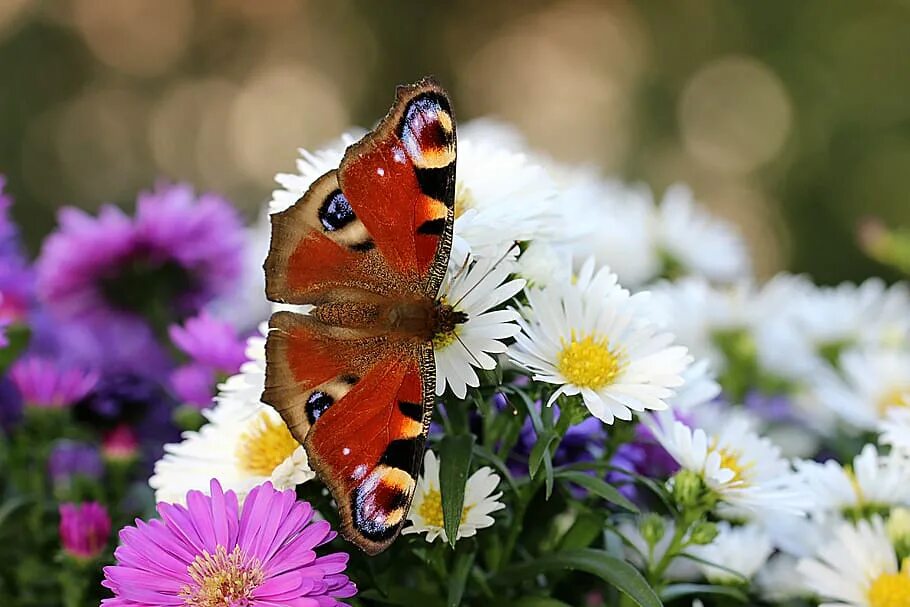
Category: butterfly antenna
[471,354]
[487,273]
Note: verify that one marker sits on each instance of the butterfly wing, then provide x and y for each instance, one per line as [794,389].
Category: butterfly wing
[381,226]
[383,221]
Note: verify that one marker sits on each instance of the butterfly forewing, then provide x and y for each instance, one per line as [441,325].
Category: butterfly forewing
[354,387]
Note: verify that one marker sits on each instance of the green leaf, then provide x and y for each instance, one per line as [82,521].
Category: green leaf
[18,337]
[464,561]
[537,601]
[598,487]
[540,451]
[680,590]
[10,506]
[610,569]
[454,464]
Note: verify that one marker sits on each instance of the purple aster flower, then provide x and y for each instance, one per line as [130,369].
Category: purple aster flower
[266,550]
[84,529]
[215,350]
[45,385]
[16,280]
[69,459]
[178,254]
[773,408]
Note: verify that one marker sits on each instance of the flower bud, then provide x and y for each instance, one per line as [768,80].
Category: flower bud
[120,444]
[652,528]
[687,489]
[702,533]
[84,529]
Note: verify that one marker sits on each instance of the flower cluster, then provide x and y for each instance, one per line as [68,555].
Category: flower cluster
[627,414]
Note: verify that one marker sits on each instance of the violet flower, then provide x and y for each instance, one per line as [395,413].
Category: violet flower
[84,529]
[266,548]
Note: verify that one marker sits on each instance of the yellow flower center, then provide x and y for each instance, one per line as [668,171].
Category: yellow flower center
[589,362]
[431,510]
[891,589]
[894,398]
[464,199]
[444,340]
[732,460]
[265,445]
[222,579]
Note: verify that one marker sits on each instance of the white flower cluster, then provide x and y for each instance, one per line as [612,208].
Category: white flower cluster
[649,308]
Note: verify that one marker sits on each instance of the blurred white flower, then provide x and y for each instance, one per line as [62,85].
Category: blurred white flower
[691,241]
[739,552]
[425,514]
[874,482]
[895,429]
[243,444]
[872,383]
[638,553]
[591,338]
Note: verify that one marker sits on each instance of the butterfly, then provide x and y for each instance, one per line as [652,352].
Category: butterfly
[367,246]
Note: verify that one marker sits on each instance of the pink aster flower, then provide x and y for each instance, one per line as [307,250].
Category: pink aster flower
[265,550]
[44,384]
[84,529]
[216,351]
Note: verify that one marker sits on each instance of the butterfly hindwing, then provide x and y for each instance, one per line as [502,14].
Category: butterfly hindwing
[353,384]
[361,408]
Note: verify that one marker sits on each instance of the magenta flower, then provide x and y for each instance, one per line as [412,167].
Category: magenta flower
[215,350]
[84,529]
[212,553]
[178,254]
[120,444]
[45,385]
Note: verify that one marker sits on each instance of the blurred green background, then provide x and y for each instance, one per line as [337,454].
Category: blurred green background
[792,118]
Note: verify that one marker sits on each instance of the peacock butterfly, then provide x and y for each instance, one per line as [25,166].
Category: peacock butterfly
[367,246]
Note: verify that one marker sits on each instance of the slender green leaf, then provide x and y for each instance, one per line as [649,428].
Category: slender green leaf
[548,471]
[610,569]
[586,528]
[598,487]
[540,451]
[10,506]
[454,464]
[464,561]
[680,590]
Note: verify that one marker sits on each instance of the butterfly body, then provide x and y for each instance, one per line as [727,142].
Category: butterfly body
[367,246]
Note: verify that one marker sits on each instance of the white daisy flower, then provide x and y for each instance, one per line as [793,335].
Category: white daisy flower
[694,242]
[310,166]
[479,502]
[746,471]
[699,388]
[873,483]
[243,444]
[740,551]
[858,568]
[872,383]
[590,338]
[475,288]
[895,429]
